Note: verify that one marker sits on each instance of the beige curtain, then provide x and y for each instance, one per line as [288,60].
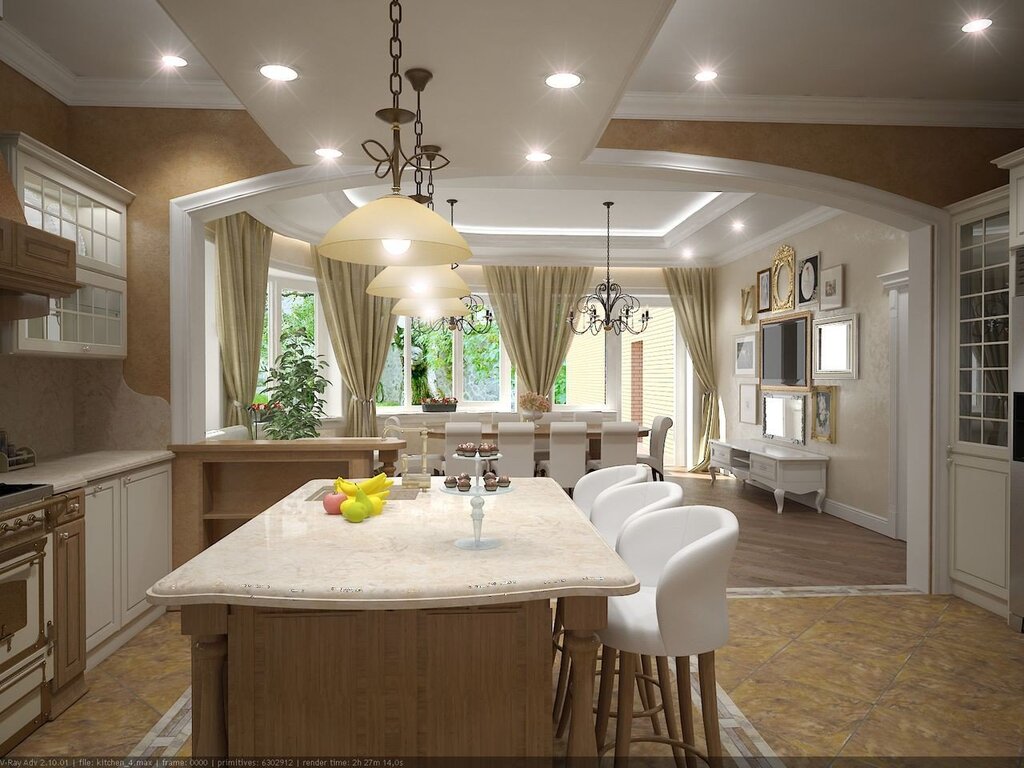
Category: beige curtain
[361,329]
[531,305]
[693,298]
[243,260]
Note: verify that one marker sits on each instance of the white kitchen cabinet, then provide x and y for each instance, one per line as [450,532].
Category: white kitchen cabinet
[1014,163]
[145,536]
[103,567]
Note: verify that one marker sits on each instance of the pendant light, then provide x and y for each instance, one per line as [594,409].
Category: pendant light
[476,317]
[418,283]
[430,309]
[397,230]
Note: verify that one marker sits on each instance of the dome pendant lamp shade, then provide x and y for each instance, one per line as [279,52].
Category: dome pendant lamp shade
[418,283]
[395,231]
[430,309]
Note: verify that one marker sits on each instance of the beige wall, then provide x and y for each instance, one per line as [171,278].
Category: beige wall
[859,467]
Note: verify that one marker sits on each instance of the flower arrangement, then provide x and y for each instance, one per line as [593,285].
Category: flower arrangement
[261,411]
[534,401]
[439,401]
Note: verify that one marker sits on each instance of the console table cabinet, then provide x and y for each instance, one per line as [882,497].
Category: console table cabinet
[777,468]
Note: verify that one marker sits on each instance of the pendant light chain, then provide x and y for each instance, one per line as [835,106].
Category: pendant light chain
[417,128]
[396,53]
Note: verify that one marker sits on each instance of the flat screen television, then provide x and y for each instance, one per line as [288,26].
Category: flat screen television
[784,353]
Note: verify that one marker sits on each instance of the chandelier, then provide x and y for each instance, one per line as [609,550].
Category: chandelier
[608,308]
[475,317]
[397,230]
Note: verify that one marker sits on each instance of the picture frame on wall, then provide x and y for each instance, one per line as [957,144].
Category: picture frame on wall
[830,293]
[745,354]
[748,403]
[784,279]
[748,305]
[764,290]
[807,282]
[823,420]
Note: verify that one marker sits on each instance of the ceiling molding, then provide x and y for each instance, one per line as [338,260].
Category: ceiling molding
[772,236]
[645,105]
[711,212]
[25,57]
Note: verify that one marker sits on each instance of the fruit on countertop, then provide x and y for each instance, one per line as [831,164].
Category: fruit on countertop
[332,503]
[363,499]
[357,509]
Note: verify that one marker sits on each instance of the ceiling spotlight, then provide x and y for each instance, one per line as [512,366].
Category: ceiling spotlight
[687,253]
[538,157]
[328,153]
[278,72]
[173,61]
[705,76]
[976,25]
[563,80]
[737,226]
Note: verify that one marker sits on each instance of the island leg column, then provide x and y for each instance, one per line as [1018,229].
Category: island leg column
[582,618]
[207,625]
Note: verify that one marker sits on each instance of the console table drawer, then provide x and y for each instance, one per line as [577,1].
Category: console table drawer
[762,467]
[721,454]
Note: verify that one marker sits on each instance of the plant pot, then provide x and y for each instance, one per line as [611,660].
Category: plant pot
[439,407]
[528,415]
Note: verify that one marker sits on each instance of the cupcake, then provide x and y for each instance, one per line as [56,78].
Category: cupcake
[465,485]
[490,485]
[450,482]
[489,476]
[504,481]
[468,449]
[487,449]
[463,476]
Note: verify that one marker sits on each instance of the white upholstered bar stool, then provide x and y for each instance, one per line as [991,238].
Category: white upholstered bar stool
[454,434]
[681,556]
[618,444]
[568,457]
[593,484]
[615,506]
[516,446]
[656,458]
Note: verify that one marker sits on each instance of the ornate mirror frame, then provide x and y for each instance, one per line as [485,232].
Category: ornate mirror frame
[784,295]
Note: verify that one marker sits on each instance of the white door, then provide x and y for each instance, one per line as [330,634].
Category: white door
[145,536]
[978,454]
[102,562]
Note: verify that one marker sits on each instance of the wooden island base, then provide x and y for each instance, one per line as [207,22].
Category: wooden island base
[450,682]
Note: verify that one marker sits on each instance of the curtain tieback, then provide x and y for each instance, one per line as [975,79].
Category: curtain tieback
[363,400]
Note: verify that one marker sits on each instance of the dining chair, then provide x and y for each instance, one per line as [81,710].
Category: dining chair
[615,506]
[516,446]
[503,417]
[592,418]
[454,434]
[681,557]
[552,417]
[568,453]
[470,417]
[656,458]
[593,484]
[618,444]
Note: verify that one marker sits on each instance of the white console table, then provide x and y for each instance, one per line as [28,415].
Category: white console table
[775,467]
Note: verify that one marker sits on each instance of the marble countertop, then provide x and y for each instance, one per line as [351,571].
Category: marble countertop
[70,472]
[772,451]
[293,555]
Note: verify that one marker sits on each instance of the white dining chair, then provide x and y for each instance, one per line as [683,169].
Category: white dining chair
[656,458]
[681,557]
[618,444]
[501,417]
[592,418]
[593,484]
[454,434]
[554,417]
[516,446]
[613,507]
[470,417]
[568,453]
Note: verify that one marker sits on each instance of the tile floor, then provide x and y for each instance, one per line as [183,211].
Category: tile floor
[861,677]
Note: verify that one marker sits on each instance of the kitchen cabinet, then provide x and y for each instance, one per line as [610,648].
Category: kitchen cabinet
[1014,163]
[70,602]
[102,546]
[145,536]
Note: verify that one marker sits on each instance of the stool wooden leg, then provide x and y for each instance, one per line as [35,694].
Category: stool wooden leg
[624,716]
[604,694]
[563,715]
[665,682]
[685,704]
[650,701]
[561,686]
[709,706]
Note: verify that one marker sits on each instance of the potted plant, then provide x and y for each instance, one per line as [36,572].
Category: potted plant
[532,405]
[295,388]
[439,404]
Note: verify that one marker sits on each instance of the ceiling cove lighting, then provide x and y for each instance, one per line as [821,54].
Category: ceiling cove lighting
[608,308]
[328,153]
[537,156]
[705,76]
[976,25]
[278,72]
[173,62]
[563,80]
[395,230]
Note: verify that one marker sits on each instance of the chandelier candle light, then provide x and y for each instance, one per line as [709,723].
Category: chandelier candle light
[608,308]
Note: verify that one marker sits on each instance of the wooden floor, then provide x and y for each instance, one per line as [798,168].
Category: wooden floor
[798,548]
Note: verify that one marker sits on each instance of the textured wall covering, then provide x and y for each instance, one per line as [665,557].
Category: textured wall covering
[938,166]
[859,468]
[24,106]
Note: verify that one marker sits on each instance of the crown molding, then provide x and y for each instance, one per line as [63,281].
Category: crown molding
[771,237]
[28,59]
[647,105]
[714,210]
[1000,195]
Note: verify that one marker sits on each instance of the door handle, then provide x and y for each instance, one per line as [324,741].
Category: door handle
[949,454]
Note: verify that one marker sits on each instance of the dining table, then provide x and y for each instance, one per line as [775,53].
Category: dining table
[489,432]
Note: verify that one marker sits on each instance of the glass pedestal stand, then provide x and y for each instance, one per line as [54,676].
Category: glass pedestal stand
[476,494]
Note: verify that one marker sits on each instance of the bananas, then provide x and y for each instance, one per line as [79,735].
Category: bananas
[375,491]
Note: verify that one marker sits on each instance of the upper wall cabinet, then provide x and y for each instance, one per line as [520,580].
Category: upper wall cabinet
[1014,162]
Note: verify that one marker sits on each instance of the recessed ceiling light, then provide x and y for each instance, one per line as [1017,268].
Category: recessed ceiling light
[278,72]
[687,253]
[328,153]
[173,61]
[538,157]
[563,80]
[976,25]
[737,226]
[705,76]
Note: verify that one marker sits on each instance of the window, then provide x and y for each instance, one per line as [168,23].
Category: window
[581,382]
[290,309]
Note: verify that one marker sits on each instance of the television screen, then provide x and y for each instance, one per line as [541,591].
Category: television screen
[784,353]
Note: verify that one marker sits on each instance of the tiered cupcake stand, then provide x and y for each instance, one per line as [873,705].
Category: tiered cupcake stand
[476,494]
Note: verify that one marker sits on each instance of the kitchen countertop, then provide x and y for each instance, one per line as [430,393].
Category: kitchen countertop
[70,472]
[294,555]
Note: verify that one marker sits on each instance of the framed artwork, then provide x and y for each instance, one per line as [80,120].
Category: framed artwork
[835,347]
[823,425]
[783,279]
[748,404]
[764,290]
[748,305]
[807,282]
[831,291]
[745,354]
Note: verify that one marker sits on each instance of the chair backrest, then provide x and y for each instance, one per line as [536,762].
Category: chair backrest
[553,417]
[592,418]
[237,432]
[613,507]
[454,434]
[503,417]
[659,433]
[516,446]
[592,485]
[469,416]
[568,461]
[618,443]
[685,553]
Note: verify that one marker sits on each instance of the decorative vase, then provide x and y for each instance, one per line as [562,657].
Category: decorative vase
[528,415]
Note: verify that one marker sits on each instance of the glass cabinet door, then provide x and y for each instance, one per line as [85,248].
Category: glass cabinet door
[89,322]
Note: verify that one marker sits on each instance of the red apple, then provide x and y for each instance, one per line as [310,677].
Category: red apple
[332,503]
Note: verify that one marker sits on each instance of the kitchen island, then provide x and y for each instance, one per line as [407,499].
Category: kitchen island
[315,636]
